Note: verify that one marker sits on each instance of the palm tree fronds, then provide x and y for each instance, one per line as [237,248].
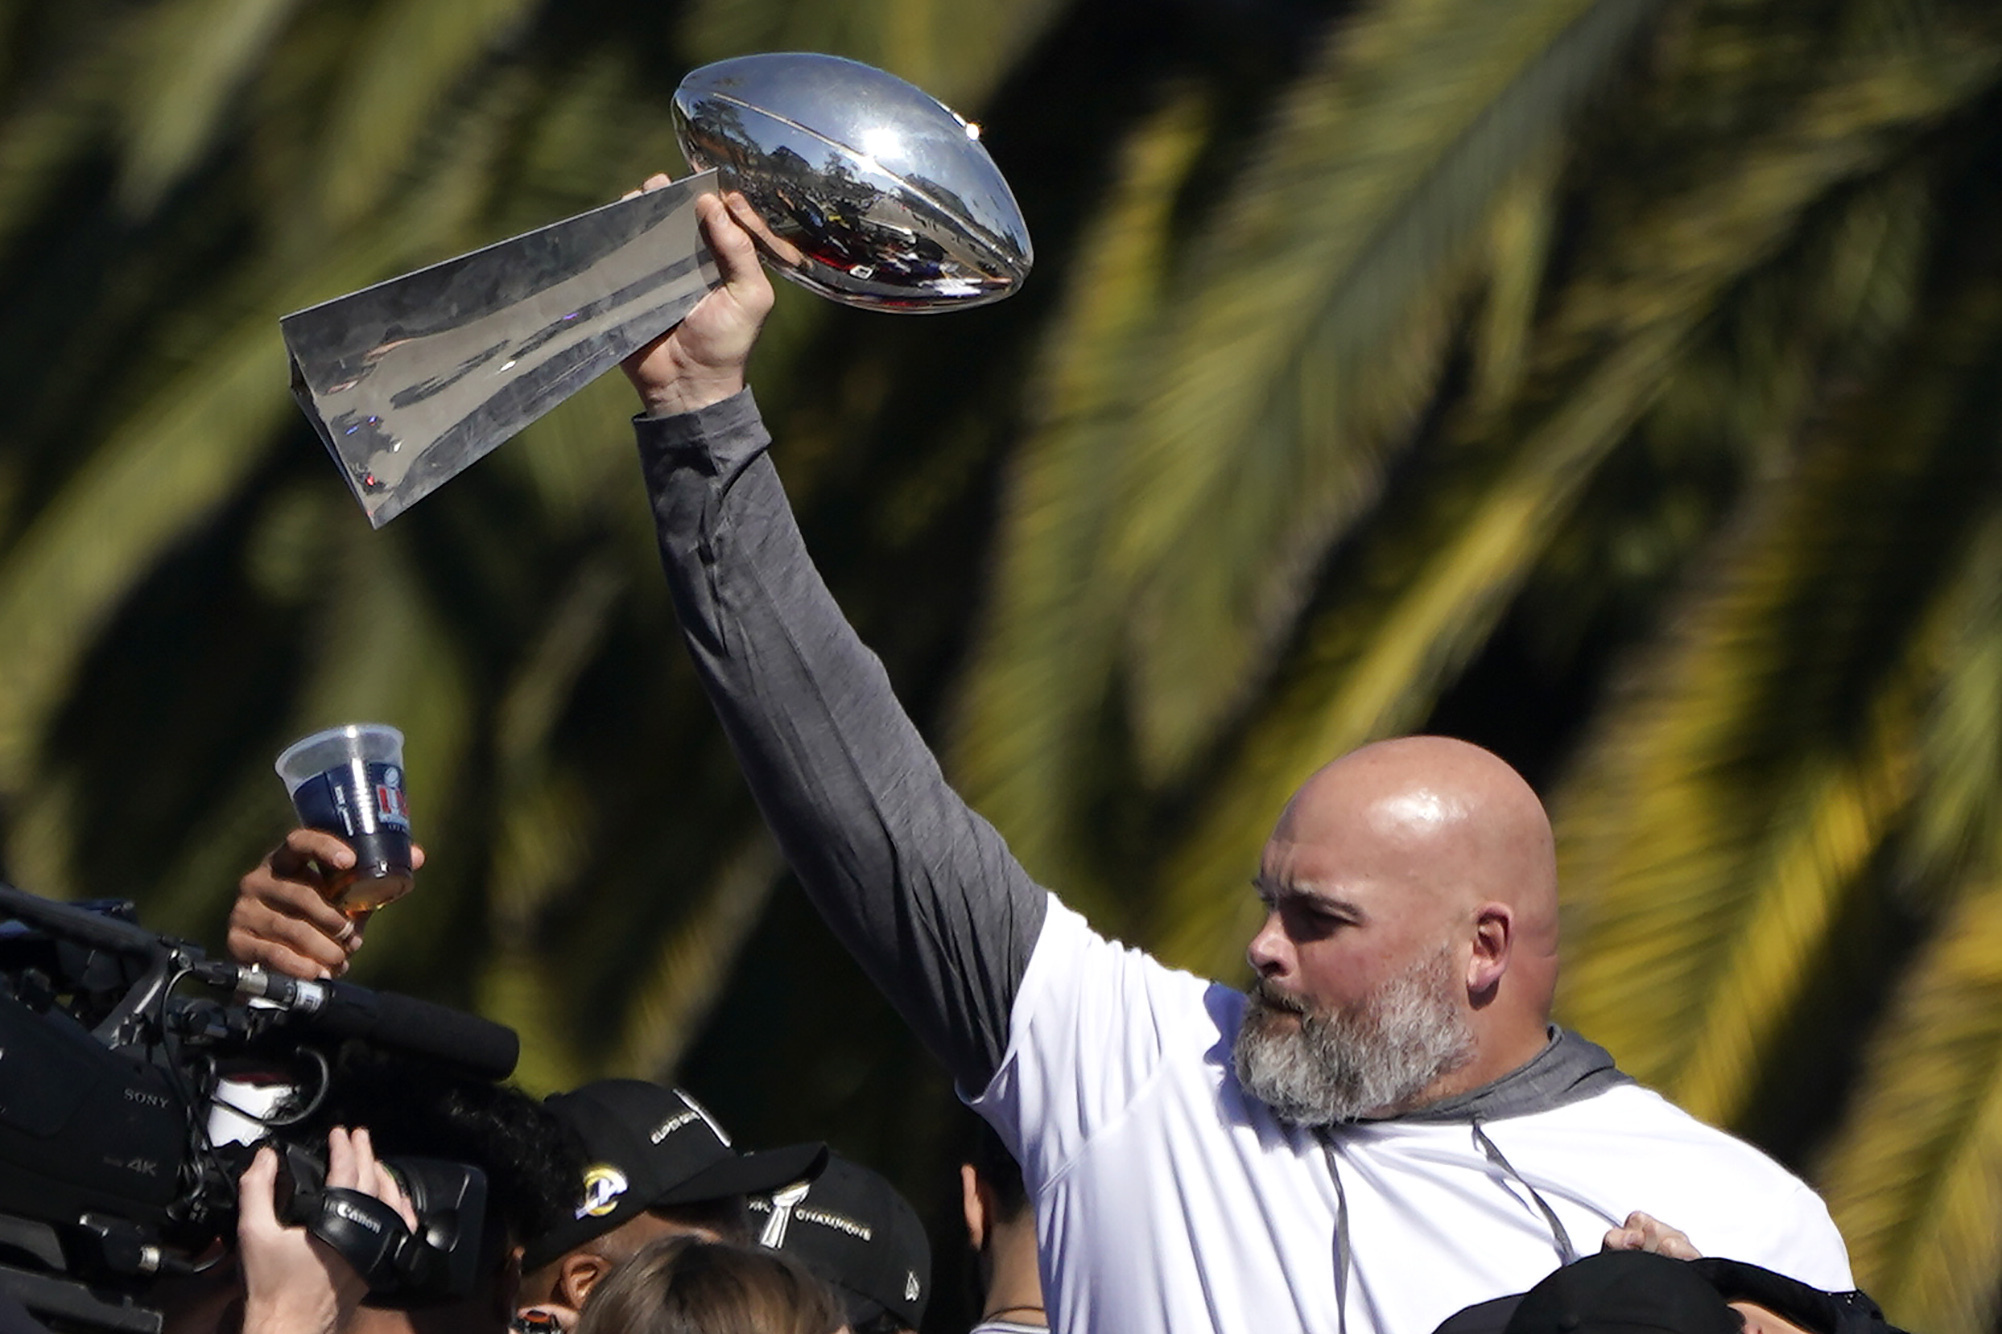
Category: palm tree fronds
[1799,669]
[1822,843]
[409,60]
[694,962]
[191,59]
[1955,830]
[1290,370]
[1518,248]
[56,127]
[957,53]
[1041,663]
[1374,661]
[162,476]
[1914,1177]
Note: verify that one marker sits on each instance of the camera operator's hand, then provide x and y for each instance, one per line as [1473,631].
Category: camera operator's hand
[701,360]
[281,919]
[293,1283]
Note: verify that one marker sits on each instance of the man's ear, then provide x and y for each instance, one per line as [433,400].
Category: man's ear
[576,1274]
[973,1200]
[1494,936]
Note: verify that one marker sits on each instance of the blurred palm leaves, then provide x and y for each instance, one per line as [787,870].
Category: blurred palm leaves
[1611,380]
[184,585]
[1760,286]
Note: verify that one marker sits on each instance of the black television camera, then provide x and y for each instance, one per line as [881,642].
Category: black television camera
[113,1044]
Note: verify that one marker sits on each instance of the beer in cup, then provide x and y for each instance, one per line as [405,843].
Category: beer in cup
[348,781]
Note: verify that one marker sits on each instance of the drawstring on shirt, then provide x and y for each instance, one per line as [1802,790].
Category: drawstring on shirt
[1327,1139]
[1566,1253]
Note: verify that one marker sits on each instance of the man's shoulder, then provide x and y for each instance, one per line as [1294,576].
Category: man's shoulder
[1071,956]
[1729,1195]
[1109,1047]
[1632,1124]
[1085,996]
[1636,1109]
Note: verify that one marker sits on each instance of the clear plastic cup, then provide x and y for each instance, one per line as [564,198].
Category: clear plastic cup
[348,781]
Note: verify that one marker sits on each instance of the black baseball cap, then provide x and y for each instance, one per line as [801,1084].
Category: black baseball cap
[1809,1307]
[1624,1292]
[852,1228]
[647,1146]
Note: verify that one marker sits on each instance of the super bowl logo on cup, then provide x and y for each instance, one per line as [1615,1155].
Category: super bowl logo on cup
[391,805]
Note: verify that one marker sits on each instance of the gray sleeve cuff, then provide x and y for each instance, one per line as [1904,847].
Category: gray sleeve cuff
[728,434]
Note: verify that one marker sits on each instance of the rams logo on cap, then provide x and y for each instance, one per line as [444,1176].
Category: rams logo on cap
[603,1185]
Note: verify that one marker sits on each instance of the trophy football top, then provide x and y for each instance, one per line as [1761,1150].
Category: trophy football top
[876,193]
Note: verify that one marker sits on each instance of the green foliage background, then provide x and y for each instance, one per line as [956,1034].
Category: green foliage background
[1613,382]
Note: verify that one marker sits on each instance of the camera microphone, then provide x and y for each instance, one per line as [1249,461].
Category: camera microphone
[75,922]
[395,1022]
[128,1103]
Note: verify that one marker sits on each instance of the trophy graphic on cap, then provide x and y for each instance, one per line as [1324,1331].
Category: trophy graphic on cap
[873,194]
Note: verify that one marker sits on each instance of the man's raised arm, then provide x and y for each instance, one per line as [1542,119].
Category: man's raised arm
[920,889]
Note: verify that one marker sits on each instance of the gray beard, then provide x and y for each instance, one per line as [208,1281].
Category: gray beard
[1316,1068]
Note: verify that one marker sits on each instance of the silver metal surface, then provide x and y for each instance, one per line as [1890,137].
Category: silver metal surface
[409,381]
[872,193]
[876,193]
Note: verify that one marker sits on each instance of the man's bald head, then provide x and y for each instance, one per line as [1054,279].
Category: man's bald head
[1414,878]
[1446,818]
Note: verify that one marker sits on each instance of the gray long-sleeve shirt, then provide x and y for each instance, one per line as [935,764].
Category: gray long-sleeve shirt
[921,890]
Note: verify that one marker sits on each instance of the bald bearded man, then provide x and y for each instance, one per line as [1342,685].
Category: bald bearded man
[1387,1130]
[1409,950]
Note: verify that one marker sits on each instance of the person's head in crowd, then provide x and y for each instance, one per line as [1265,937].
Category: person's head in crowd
[418,1108]
[1771,1303]
[1624,1292]
[1409,949]
[1001,1229]
[1606,1292]
[422,1109]
[655,1164]
[854,1230]
[686,1285]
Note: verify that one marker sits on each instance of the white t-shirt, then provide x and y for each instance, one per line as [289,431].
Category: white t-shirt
[1166,1199]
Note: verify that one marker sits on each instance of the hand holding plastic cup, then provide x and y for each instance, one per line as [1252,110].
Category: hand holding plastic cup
[348,781]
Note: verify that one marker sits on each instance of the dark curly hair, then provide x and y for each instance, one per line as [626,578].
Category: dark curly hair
[532,1161]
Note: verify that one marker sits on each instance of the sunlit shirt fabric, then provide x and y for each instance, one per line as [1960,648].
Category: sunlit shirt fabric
[1169,1200]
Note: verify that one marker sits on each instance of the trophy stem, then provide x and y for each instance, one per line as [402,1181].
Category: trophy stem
[411,380]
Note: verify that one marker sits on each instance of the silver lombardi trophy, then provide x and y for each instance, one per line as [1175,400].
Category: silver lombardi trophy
[873,193]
